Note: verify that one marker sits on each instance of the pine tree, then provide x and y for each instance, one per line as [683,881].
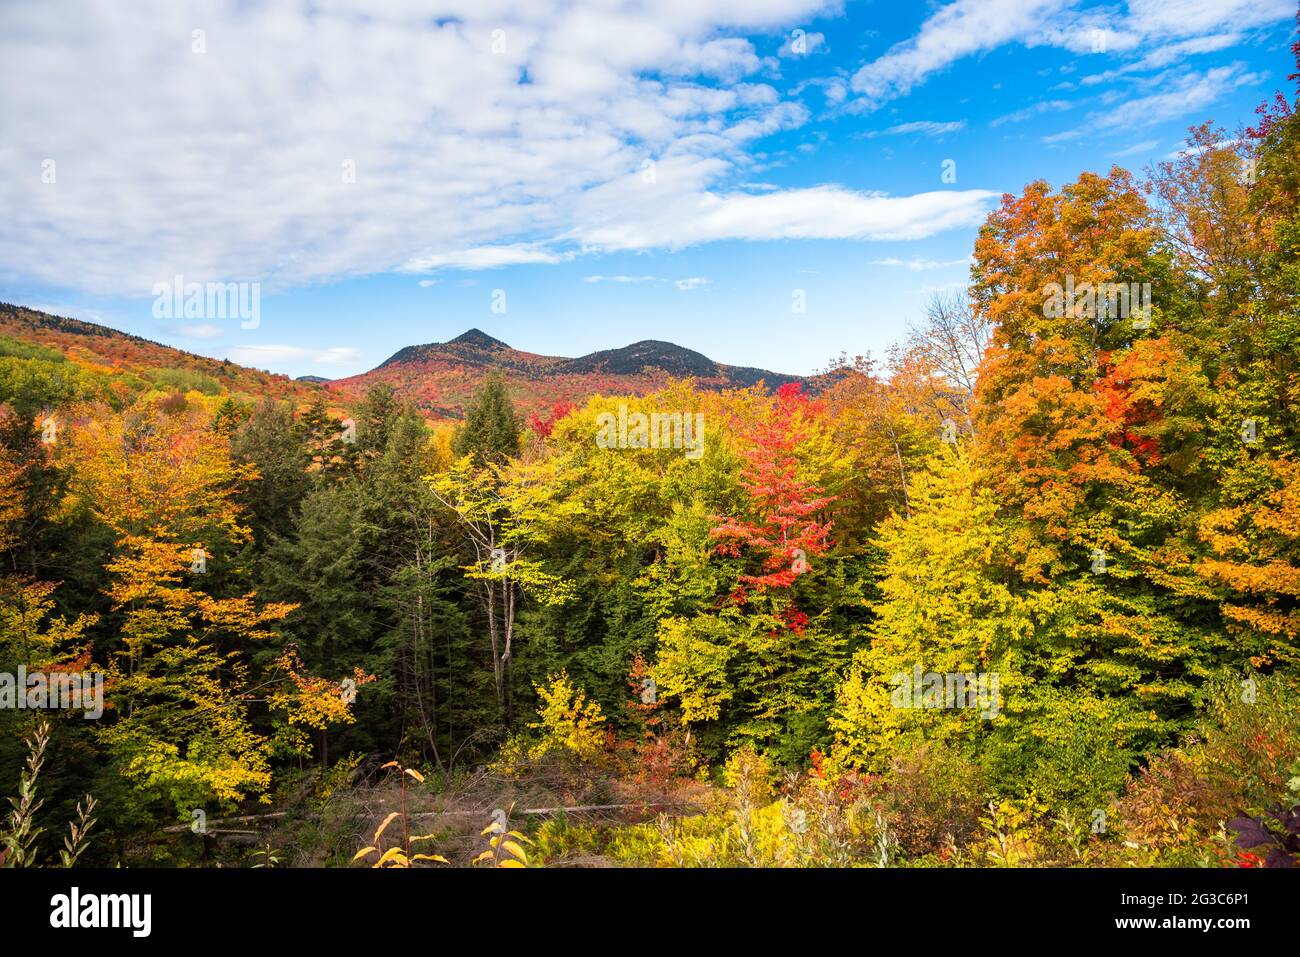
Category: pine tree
[491,430]
[271,442]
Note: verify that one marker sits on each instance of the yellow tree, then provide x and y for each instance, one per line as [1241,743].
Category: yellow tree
[1255,561]
[164,482]
[30,634]
[948,605]
[1042,416]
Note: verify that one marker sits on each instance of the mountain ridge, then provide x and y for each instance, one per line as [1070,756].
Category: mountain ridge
[440,376]
[115,352]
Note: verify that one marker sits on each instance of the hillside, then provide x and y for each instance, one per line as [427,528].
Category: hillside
[441,376]
[110,352]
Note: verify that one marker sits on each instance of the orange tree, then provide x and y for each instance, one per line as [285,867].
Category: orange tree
[163,481]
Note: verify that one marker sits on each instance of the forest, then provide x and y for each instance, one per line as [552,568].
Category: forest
[1023,592]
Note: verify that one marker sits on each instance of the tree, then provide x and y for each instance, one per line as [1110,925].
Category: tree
[270,442]
[943,355]
[1250,525]
[497,527]
[754,665]
[629,528]
[1041,416]
[783,530]
[490,434]
[949,603]
[179,663]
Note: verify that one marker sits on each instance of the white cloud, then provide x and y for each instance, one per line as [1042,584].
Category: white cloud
[921,128]
[835,89]
[486,257]
[314,141]
[678,211]
[1180,94]
[205,330]
[1035,109]
[1145,146]
[269,356]
[921,265]
[811,43]
[311,142]
[1165,55]
[426,283]
[953,31]
[1180,18]
[1163,32]
[682,284]
[1188,93]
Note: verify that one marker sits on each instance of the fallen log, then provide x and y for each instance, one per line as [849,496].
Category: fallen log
[479,812]
[245,819]
[573,809]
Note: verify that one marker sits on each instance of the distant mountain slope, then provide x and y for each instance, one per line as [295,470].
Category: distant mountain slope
[114,351]
[442,376]
[667,358]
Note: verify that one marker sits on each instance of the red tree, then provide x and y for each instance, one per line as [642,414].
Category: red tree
[544,427]
[782,529]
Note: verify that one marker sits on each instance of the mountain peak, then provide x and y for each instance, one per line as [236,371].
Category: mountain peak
[477,338]
[665,357]
[440,376]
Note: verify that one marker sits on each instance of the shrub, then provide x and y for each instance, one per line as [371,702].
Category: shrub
[18,349]
[1250,742]
[1071,750]
[185,380]
[1239,762]
[569,722]
[933,798]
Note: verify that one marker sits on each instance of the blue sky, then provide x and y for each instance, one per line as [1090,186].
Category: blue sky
[609,171]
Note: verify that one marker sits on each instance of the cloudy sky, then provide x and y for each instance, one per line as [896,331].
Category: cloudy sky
[571,175]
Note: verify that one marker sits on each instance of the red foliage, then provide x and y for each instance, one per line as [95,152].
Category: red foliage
[795,620]
[817,759]
[784,531]
[1271,114]
[643,710]
[1115,388]
[544,426]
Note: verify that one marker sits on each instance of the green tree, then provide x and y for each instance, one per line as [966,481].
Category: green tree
[491,430]
[271,442]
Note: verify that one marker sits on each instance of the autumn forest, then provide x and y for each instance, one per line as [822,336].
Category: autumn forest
[1023,592]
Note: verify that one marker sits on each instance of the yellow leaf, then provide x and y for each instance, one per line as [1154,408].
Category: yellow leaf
[431,857]
[415,774]
[363,852]
[390,764]
[387,821]
[510,862]
[392,854]
[485,856]
[516,850]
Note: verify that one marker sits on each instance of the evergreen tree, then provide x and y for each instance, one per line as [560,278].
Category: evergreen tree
[270,441]
[491,430]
